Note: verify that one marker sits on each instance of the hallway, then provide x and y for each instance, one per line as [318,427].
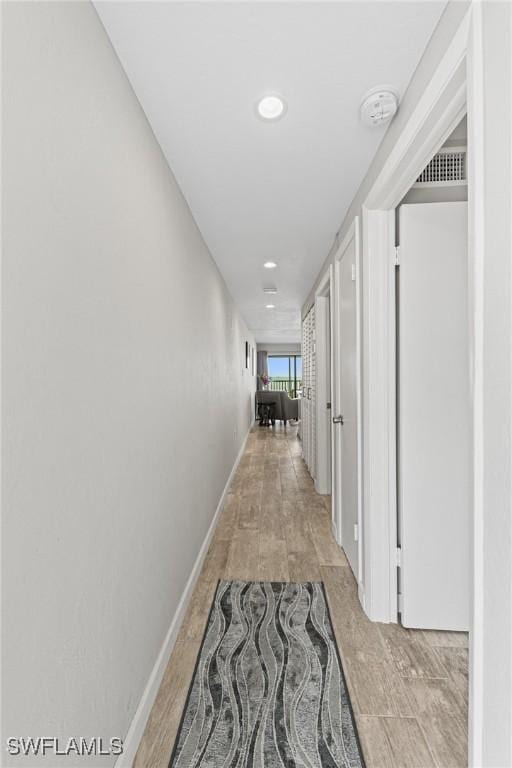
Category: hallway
[205,205]
[408,688]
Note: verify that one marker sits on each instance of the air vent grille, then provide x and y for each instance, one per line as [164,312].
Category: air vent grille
[446,168]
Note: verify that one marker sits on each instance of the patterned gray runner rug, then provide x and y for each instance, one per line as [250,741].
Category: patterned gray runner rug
[268,690]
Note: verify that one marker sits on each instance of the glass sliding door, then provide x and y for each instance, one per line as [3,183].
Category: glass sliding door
[285,372]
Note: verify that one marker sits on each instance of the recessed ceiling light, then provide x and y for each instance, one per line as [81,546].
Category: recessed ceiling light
[270,265]
[271,107]
[270,306]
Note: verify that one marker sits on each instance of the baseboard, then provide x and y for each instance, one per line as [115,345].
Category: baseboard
[138,724]
[322,490]
[334,532]
[360,594]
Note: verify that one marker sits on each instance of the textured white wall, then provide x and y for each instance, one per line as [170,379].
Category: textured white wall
[125,396]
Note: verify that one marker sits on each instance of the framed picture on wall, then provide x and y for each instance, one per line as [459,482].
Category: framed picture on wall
[246,354]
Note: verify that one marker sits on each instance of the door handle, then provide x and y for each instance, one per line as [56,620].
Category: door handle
[337,420]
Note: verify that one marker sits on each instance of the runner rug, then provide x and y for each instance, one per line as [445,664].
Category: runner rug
[268,690]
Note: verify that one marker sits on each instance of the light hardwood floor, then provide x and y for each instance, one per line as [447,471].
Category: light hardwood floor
[409,688]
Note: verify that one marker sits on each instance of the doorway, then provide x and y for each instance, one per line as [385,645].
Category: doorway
[285,372]
[337,401]
[323,386]
[346,401]
[433,400]
[434,410]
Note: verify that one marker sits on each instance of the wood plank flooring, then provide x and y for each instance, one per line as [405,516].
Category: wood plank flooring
[409,688]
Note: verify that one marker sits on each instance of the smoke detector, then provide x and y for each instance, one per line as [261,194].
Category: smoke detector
[379,106]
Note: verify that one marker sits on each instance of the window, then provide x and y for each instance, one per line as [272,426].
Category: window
[285,372]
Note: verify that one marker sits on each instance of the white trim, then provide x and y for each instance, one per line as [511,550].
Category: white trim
[324,346]
[440,184]
[490,208]
[336,498]
[138,724]
[361,594]
[332,320]
[359,397]
[353,233]
[379,417]
[476,247]
[416,146]
[349,236]
[324,286]
[322,387]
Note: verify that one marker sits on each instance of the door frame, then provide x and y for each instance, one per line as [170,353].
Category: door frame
[426,600]
[456,88]
[324,463]
[438,112]
[353,234]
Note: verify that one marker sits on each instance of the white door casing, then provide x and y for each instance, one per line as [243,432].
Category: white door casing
[336,499]
[346,401]
[323,394]
[308,411]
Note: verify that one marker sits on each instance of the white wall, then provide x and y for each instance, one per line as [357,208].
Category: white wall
[125,397]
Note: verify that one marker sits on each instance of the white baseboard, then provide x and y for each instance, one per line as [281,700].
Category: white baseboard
[334,532]
[138,724]
[360,594]
[323,490]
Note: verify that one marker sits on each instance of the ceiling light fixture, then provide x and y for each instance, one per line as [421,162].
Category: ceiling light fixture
[270,265]
[270,306]
[270,290]
[271,107]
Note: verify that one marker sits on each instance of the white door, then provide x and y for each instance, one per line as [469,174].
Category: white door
[346,511]
[434,457]
[323,394]
[335,409]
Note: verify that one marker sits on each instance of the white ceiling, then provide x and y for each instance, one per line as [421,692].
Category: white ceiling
[258,190]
